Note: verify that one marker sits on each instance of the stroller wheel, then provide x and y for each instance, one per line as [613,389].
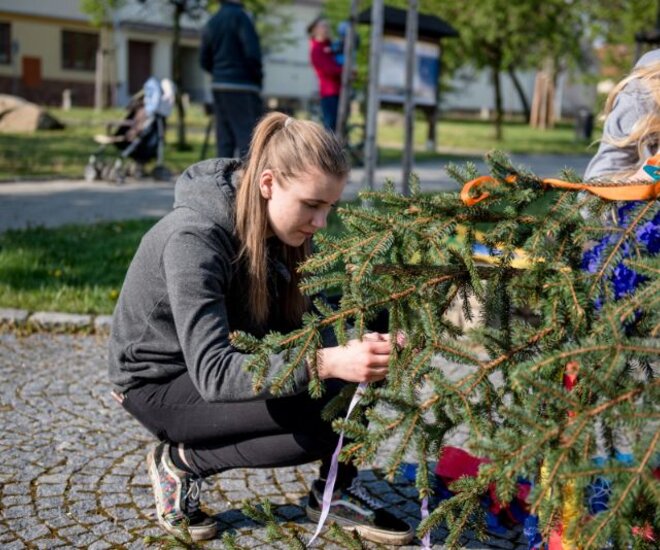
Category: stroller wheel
[161,173]
[91,173]
[117,173]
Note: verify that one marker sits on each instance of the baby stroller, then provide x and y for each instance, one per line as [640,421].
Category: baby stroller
[140,137]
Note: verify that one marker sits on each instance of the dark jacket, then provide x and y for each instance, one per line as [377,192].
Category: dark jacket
[184,293]
[230,50]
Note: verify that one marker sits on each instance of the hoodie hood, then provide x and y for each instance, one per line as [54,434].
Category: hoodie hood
[209,187]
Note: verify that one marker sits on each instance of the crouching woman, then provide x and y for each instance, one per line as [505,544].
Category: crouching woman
[225,260]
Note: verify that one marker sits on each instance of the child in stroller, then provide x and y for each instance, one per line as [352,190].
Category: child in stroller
[139,137]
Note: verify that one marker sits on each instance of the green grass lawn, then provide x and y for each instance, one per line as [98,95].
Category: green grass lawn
[64,153]
[467,135]
[73,268]
[81,268]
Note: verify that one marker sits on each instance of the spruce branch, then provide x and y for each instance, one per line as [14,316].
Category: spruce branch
[612,257]
[605,517]
[416,257]
[275,531]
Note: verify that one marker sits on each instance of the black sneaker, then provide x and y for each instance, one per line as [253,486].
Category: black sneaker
[355,509]
[177,497]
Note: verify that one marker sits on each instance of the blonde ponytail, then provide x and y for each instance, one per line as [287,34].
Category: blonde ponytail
[290,147]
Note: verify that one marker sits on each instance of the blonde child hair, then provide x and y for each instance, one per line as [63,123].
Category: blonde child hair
[646,131]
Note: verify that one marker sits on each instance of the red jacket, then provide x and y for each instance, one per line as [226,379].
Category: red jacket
[327,69]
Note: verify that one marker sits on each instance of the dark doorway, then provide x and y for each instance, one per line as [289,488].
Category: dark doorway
[139,64]
[31,72]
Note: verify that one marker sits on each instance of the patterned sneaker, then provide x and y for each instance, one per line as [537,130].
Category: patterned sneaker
[354,509]
[177,497]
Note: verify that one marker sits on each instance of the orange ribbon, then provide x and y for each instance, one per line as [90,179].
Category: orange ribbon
[615,192]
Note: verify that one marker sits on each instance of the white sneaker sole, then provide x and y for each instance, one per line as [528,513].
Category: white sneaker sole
[196,533]
[367,532]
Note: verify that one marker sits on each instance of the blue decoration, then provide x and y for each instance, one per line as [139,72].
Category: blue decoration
[598,495]
[624,282]
[531,531]
[623,279]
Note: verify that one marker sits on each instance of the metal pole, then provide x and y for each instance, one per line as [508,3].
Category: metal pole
[373,100]
[98,79]
[409,105]
[347,73]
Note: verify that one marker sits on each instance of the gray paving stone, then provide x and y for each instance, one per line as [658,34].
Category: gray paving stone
[50,502]
[54,478]
[59,321]
[48,543]
[50,490]
[114,499]
[13,316]
[17,512]
[135,524]
[87,519]
[13,500]
[99,545]
[72,532]
[118,537]
[13,545]
[122,513]
[5,535]
[60,521]
[103,323]
[73,461]
[290,512]
[49,513]
[34,532]
[295,487]
[85,540]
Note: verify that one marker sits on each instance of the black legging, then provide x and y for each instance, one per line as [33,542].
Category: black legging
[284,431]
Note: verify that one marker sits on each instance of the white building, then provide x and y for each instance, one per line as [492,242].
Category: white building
[47,47]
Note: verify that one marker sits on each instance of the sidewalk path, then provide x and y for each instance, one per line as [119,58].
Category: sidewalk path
[53,203]
[73,471]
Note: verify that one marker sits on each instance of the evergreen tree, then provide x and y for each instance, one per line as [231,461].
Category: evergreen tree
[547,311]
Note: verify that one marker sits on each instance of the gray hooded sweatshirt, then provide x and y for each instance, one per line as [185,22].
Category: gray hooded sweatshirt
[185,292]
[633,103]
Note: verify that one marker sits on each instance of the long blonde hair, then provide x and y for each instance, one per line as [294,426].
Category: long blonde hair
[646,130]
[289,147]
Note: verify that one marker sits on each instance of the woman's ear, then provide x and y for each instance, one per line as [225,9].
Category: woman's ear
[266,184]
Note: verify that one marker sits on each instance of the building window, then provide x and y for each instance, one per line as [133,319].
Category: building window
[79,50]
[5,44]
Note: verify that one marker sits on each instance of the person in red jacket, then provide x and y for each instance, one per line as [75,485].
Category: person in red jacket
[327,70]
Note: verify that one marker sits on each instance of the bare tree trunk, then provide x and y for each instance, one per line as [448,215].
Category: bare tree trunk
[499,112]
[521,93]
[543,113]
[409,104]
[98,79]
[181,144]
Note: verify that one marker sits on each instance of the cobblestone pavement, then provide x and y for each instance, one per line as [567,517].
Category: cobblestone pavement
[72,473]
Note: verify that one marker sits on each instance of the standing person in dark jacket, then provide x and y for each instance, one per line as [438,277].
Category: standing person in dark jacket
[328,71]
[225,260]
[230,51]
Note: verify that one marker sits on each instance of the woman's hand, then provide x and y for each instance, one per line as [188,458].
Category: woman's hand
[363,360]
